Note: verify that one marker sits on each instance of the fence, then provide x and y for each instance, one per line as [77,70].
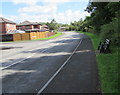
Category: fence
[8,37]
[26,36]
[17,37]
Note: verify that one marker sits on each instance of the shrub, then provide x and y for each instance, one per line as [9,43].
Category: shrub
[111,31]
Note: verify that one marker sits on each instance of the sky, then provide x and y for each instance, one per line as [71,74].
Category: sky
[63,11]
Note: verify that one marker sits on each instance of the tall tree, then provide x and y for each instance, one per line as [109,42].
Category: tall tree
[53,25]
[104,19]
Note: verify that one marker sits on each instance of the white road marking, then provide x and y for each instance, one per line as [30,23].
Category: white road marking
[49,41]
[32,47]
[48,82]
[22,59]
[26,58]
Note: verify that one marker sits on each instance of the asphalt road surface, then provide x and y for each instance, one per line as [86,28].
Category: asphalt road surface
[63,65]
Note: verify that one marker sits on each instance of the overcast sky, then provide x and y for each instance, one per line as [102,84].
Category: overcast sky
[63,11]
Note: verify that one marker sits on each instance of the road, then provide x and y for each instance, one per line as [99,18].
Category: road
[50,66]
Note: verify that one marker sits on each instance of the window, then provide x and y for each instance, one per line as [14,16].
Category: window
[20,28]
[27,27]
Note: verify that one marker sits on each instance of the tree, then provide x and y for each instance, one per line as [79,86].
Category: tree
[53,25]
[102,13]
[104,19]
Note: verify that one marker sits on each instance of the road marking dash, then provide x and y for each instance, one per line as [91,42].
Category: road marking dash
[48,82]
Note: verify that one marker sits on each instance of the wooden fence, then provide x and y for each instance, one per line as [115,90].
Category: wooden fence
[17,37]
[26,36]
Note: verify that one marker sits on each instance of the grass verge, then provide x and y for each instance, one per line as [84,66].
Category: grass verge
[107,66]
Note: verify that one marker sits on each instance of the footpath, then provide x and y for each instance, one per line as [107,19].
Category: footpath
[80,74]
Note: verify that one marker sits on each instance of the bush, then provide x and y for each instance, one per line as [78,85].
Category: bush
[110,31]
[55,31]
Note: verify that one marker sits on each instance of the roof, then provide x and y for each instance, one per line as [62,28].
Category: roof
[40,30]
[63,27]
[28,23]
[15,31]
[44,25]
[4,20]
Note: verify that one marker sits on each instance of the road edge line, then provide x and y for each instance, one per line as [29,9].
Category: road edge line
[48,82]
[21,60]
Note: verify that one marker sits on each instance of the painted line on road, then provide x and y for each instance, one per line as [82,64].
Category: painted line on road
[25,58]
[50,40]
[28,57]
[32,47]
[48,82]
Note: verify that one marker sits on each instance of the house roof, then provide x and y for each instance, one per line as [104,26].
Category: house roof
[28,23]
[4,20]
[44,26]
[63,27]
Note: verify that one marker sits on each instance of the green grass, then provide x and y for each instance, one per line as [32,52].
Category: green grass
[107,66]
[108,71]
[95,39]
[51,37]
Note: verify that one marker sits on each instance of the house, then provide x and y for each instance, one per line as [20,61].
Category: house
[29,26]
[6,25]
[45,27]
[63,29]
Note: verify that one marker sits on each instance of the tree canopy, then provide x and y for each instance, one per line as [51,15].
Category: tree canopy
[104,19]
[53,25]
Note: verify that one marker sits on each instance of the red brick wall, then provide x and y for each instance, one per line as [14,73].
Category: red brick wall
[18,27]
[10,27]
[24,27]
[2,28]
[37,26]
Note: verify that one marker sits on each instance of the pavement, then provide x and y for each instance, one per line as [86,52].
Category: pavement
[80,74]
[37,61]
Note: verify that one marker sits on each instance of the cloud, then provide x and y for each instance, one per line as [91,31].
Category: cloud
[56,1]
[46,12]
[61,17]
[33,18]
[38,9]
[1,15]
[70,16]
[28,2]
[33,2]
[47,7]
